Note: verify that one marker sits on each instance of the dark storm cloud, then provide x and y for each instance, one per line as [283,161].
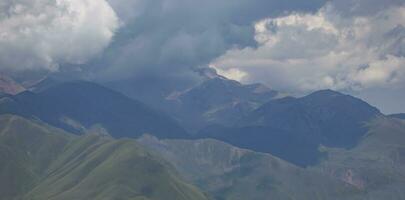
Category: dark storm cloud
[174,36]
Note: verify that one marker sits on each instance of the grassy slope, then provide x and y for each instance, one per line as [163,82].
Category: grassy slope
[376,165]
[46,163]
[231,173]
[375,168]
[25,150]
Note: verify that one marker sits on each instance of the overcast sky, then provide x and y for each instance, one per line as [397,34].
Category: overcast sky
[295,46]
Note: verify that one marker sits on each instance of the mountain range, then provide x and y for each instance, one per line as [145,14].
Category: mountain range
[217,101]
[376,165]
[374,169]
[215,140]
[322,118]
[79,106]
[44,162]
[213,99]
[228,172]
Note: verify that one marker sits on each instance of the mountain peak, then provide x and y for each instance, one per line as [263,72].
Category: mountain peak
[208,73]
[327,93]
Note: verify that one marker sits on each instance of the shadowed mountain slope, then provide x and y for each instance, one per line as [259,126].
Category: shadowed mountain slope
[373,170]
[376,165]
[79,105]
[231,173]
[293,128]
[209,99]
[218,101]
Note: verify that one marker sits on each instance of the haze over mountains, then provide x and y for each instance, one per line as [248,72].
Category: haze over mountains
[326,145]
[213,99]
[77,106]
[217,101]
[202,100]
[323,118]
[400,116]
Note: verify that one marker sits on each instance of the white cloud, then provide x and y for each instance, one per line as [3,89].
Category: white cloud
[41,34]
[305,52]
[233,73]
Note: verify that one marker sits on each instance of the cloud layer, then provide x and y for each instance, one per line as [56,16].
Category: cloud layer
[42,34]
[344,48]
[295,46]
[174,36]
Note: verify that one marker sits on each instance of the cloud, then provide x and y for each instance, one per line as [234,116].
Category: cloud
[173,36]
[363,7]
[295,46]
[43,34]
[327,49]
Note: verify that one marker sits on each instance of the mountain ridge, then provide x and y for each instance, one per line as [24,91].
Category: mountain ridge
[90,104]
[322,118]
[48,163]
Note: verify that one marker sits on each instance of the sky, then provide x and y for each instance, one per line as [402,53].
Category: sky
[295,46]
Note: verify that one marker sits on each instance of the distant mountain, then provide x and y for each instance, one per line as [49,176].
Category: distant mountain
[376,165]
[230,173]
[373,170]
[9,86]
[153,91]
[338,120]
[44,84]
[209,99]
[293,128]
[218,101]
[41,162]
[79,105]
[399,116]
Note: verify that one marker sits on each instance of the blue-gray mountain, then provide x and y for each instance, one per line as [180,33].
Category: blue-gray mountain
[77,106]
[257,118]
[217,101]
[247,116]
[294,128]
[372,170]
[212,100]
[355,152]
[399,116]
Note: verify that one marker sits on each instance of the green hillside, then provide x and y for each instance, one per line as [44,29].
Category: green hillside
[47,163]
[42,162]
[377,165]
[230,173]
